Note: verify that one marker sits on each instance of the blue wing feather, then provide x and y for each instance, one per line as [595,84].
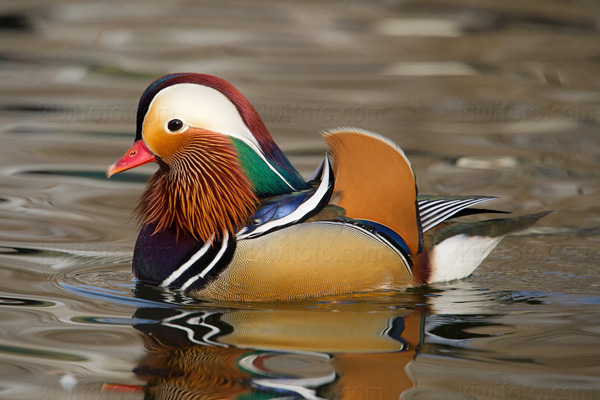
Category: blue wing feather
[284,210]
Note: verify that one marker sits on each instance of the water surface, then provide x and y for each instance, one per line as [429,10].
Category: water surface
[486,99]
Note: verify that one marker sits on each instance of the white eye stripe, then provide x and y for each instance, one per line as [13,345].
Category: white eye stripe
[201,107]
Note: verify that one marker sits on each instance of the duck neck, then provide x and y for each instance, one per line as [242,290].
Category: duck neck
[268,176]
[200,193]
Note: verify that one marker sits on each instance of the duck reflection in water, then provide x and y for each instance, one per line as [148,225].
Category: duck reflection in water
[328,349]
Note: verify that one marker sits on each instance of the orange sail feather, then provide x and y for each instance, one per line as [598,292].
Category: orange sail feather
[374,181]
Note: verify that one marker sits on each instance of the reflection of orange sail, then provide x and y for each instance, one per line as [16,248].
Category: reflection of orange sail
[348,352]
[377,376]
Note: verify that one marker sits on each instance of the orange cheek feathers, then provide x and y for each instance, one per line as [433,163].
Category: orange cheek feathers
[162,143]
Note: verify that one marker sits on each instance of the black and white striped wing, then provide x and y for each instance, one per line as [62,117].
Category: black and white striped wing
[434,210]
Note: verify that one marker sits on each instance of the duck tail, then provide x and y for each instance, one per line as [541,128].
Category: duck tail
[454,251]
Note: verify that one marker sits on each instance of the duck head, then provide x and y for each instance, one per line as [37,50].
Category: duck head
[216,157]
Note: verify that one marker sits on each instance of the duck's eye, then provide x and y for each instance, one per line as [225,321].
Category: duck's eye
[174,125]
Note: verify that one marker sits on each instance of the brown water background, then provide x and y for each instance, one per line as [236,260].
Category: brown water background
[486,98]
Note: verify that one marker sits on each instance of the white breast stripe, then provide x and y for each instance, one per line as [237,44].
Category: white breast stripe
[177,273]
[201,321]
[189,332]
[301,211]
[210,266]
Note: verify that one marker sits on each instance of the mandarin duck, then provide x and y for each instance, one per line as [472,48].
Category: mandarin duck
[226,216]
